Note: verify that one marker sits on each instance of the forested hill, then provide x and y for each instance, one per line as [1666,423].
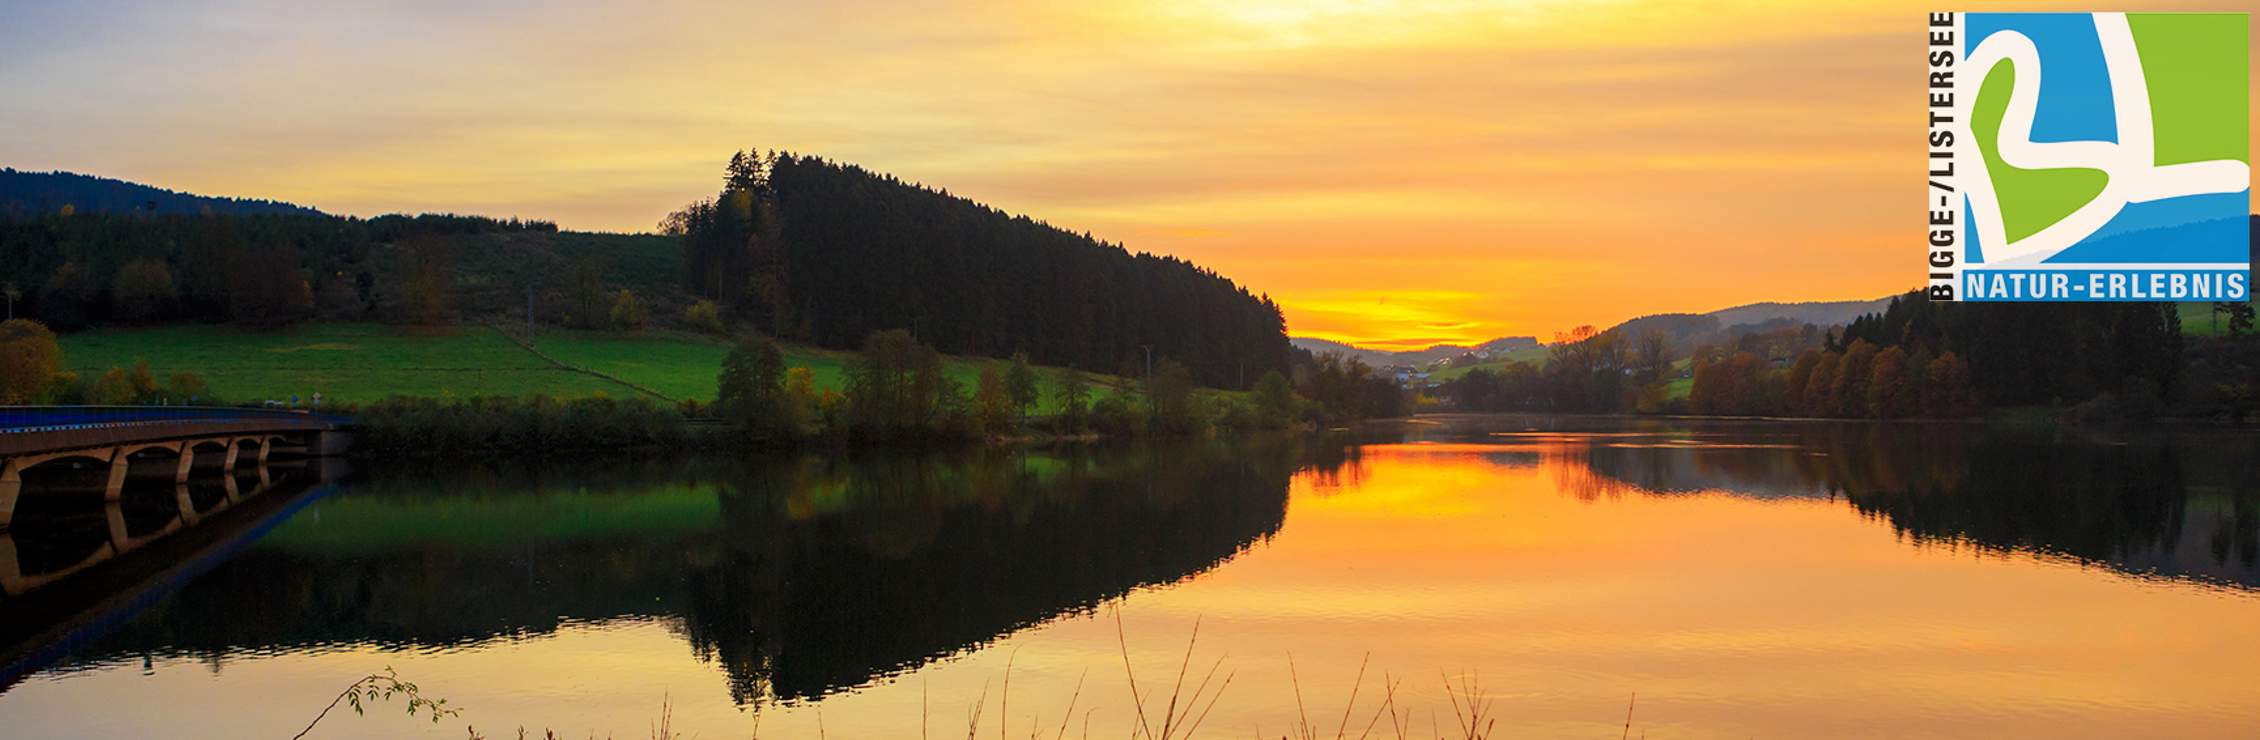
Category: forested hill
[1417,357]
[33,193]
[828,253]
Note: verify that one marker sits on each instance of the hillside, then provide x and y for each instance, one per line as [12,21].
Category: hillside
[30,193]
[1817,313]
[1411,358]
[493,270]
[1530,355]
[1683,331]
[359,363]
[266,300]
[828,252]
[265,270]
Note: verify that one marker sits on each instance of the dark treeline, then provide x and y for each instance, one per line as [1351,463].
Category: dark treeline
[1341,388]
[396,226]
[2024,354]
[75,270]
[1920,358]
[897,392]
[1914,359]
[24,194]
[1586,371]
[829,253]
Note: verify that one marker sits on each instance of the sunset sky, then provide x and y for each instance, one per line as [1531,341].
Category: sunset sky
[1392,173]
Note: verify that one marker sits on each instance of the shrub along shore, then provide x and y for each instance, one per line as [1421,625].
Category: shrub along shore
[896,393]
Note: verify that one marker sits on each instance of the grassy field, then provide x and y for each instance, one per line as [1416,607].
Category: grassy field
[2198,320]
[343,362]
[1533,355]
[686,365]
[679,366]
[353,363]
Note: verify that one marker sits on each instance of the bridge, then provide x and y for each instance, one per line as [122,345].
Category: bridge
[36,437]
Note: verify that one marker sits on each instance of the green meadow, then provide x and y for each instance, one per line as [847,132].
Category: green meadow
[359,363]
[2199,320]
[346,363]
[1533,355]
[686,366]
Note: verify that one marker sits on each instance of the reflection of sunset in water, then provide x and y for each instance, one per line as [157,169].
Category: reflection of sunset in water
[1808,581]
[1729,615]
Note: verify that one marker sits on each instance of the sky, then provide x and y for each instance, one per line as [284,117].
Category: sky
[1393,174]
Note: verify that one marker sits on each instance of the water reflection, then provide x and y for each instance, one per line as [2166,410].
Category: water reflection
[74,563]
[2172,503]
[798,576]
[1802,579]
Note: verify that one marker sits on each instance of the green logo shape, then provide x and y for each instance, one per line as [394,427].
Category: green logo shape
[2200,87]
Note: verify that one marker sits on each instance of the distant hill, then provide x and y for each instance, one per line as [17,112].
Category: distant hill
[1684,330]
[1413,358]
[30,193]
[1817,313]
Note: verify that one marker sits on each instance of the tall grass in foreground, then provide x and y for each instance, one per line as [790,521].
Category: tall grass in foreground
[1175,716]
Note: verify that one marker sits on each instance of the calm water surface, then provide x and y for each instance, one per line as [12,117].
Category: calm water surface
[1752,579]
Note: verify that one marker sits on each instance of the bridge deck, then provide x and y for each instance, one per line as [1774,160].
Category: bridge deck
[29,430]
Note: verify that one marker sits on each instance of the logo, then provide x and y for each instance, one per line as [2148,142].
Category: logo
[2089,157]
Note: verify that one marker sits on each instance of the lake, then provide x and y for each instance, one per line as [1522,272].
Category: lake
[1711,579]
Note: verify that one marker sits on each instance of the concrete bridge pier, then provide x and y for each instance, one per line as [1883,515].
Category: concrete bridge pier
[121,459]
[122,541]
[187,462]
[11,486]
[12,579]
[187,505]
[119,463]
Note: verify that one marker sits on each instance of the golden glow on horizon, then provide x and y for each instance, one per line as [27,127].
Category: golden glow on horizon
[1395,173]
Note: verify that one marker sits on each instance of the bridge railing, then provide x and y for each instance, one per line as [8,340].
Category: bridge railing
[35,419]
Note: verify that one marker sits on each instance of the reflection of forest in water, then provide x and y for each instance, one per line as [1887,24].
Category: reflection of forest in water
[799,576]
[804,575]
[2169,502]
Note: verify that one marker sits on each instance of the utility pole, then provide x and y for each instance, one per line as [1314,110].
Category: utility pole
[529,314]
[13,294]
